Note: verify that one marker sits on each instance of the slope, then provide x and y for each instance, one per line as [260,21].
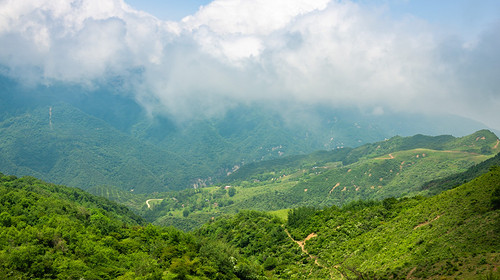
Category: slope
[65,145]
[56,232]
[448,236]
[49,231]
[453,234]
[384,169]
[396,167]
[439,185]
[197,151]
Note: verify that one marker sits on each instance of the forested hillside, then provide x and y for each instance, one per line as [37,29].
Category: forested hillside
[453,234]
[49,231]
[55,232]
[65,145]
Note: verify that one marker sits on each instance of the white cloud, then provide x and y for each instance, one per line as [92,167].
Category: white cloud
[258,17]
[233,51]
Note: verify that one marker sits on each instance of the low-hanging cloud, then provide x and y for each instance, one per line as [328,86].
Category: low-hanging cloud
[237,51]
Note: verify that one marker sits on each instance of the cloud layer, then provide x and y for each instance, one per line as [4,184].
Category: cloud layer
[239,51]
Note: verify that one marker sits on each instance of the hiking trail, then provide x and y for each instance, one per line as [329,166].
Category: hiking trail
[149,205]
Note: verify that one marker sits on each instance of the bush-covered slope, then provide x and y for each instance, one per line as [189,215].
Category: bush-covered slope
[438,185]
[453,234]
[261,239]
[289,164]
[56,232]
[49,232]
[396,167]
[480,142]
[17,194]
[321,180]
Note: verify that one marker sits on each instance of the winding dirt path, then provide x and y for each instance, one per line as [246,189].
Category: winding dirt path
[315,258]
[496,145]
[149,205]
[303,242]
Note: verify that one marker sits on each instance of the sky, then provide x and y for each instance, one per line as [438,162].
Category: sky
[193,58]
[173,10]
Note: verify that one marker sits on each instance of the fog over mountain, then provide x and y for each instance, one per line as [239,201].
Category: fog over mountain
[232,52]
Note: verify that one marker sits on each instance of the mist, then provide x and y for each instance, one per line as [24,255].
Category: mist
[231,52]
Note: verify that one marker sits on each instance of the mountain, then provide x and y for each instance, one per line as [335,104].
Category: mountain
[65,145]
[396,167]
[93,135]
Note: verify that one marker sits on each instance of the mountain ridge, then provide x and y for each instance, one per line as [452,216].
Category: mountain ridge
[198,152]
[321,179]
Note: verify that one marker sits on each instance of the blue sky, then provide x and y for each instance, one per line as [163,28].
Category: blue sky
[464,16]
[173,10]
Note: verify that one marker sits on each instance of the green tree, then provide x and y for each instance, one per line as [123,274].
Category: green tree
[101,222]
[299,215]
[231,191]
[495,198]
[5,219]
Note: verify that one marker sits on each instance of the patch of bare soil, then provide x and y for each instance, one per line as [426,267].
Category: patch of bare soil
[426,222]
[334,187]
[390,156]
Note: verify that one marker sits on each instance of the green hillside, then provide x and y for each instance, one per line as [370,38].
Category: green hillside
[453,234]
[64,145]
[55,232]
[473,143]
[102,136]
[438,185]
[384,169]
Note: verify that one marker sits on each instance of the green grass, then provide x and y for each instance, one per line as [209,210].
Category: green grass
[282,214]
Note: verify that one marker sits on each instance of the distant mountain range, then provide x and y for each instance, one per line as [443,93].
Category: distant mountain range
[87,137]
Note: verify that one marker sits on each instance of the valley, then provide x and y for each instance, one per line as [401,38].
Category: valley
[252,140]
[322,180]
[244,196]
[389,209]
